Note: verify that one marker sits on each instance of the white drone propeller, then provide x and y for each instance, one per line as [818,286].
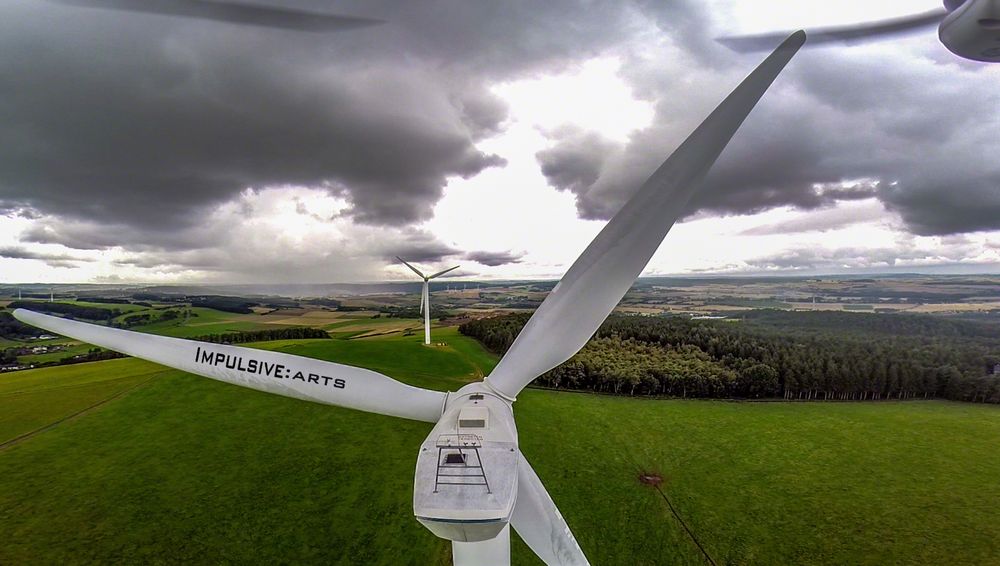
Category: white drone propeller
[425,296]
[232,13]
[477,421]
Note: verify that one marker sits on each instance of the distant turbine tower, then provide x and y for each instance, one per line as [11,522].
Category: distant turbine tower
[425,297]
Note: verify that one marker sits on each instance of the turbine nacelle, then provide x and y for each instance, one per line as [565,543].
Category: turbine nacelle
[465,485]
[972,30]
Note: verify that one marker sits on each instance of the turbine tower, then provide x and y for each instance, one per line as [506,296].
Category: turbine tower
[425,296]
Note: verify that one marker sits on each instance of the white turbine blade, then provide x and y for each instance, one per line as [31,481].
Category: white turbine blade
[440,273]
[273,372]
[537,519]
[422,299]
[843,34]
[599,278]
[492,552]
[415,270]
[233,13]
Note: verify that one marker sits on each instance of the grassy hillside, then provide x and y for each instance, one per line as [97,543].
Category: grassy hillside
[183,469]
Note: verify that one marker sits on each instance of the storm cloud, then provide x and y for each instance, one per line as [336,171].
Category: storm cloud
[836,126]
[166,140]
[51,259]
[493,259]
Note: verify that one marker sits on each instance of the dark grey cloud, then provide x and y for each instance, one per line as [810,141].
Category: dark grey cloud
[149,120]
[129,131]
[94,235]
[51,259]
[919,132]
[937,204]
[493,259]
[819,221]
[418,247]
[574,162]
[953,250]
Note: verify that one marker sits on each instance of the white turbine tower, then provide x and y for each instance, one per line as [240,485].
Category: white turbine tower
[425,296]
[487,484]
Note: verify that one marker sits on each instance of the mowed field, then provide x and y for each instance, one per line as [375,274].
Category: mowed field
[159,466]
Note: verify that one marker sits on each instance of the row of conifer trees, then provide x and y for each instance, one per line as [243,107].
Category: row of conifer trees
[784,355]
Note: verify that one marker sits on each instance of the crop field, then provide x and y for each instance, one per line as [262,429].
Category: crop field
[207,321]
[308,317]
[127,462]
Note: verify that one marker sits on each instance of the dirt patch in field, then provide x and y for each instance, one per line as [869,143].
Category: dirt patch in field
[653,479]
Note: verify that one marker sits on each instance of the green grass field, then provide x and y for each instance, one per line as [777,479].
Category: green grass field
[124,307]
[183,469]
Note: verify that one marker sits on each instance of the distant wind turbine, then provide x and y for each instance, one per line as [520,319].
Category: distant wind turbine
[425,296]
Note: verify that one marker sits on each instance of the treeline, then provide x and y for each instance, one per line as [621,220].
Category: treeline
[93,355]
[14,329]
[863,323]
[413,312]
[812,355]
[106,300]
[237,305]
[291,333]
[73,310]
[10,356]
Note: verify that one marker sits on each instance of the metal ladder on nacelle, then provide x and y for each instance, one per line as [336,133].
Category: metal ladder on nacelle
[454,472]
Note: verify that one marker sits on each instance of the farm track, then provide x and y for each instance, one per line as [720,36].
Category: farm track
[28,435]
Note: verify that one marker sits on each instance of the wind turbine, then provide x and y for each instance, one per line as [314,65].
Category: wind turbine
[425,296]
[968,28]
[487,484]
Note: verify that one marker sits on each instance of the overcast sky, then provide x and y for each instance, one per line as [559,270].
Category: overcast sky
[497,136]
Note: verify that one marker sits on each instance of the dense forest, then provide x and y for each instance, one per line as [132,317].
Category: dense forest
[237,305]
[770,353]
[73,310]
[106,300]
[13,329]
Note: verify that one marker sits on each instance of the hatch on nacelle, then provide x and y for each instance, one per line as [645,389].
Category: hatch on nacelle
[474,417]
